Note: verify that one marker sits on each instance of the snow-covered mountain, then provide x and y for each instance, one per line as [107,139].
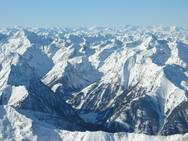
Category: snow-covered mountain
[94,83]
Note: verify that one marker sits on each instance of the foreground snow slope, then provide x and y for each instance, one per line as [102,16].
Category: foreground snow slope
[15,126]
[132,80]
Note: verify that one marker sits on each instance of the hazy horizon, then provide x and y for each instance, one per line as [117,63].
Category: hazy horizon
[84,13]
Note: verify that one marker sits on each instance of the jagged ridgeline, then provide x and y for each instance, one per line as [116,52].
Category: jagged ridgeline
[129,80]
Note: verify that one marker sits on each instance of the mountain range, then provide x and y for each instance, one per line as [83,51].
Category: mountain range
[92,84]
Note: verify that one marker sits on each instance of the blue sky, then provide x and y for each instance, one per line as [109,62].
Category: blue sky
[69,13]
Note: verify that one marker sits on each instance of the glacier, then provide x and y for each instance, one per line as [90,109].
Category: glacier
[92,84]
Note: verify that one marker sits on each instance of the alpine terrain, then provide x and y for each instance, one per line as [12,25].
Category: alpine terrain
[94,84]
